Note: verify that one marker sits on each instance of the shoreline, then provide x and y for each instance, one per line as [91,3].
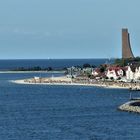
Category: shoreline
[67,82]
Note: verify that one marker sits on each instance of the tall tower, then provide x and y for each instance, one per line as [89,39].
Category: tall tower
[126,46]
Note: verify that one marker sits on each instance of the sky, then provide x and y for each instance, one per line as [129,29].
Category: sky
[57,29]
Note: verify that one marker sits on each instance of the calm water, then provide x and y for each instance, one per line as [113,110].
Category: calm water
[41,112]
[54,63]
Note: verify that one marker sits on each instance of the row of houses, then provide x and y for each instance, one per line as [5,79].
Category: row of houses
[127,73]
[77,71]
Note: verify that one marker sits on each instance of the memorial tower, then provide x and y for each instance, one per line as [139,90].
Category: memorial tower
[126,46]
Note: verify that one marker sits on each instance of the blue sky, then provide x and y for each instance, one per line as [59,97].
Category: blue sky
[67,28]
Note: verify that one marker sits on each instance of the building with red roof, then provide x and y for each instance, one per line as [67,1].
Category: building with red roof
[115,72]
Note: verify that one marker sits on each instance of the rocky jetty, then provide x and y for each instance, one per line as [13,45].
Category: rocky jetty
[131,106]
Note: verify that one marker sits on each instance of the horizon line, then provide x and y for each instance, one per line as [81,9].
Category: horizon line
[53,58]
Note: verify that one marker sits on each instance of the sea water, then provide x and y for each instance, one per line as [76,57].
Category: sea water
[45,112]
[54,63]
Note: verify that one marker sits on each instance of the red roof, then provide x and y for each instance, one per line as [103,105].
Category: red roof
[115,68]
[97,70]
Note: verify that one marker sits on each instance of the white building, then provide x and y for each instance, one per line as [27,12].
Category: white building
[129,74]
[115,73]
[96,72]
[137,73]
[133,73]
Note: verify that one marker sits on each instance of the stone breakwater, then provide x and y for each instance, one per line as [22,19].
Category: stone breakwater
[131,106]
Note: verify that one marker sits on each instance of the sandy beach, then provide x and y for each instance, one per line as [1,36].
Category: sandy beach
[68,81]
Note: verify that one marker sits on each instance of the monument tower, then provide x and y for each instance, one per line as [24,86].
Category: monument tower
[126,46]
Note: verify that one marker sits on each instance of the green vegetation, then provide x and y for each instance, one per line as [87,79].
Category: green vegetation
[88,66]
[102,68]
[37,68]
[125,62]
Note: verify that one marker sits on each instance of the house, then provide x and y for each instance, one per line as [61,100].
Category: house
[87,70]
[137,73]
[96,72]
[133,73]
[73,71]
[115,73]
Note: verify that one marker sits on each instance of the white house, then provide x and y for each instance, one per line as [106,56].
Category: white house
[129,74]
[137,73]
[115,73]
[133,73]
[96,72]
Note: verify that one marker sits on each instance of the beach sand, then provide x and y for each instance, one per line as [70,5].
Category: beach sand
[65,81]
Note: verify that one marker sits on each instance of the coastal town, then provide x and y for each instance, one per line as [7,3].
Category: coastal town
[107,75]
[70,70]
[121,73]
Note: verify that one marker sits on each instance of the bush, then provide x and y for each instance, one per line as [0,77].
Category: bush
[112,78]
[86,65]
